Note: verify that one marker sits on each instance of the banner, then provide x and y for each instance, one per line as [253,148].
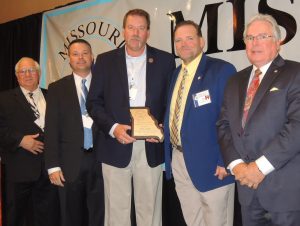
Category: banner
[222,24]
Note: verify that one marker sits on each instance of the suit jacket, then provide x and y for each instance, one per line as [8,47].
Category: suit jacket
[272,129]
[108,101]
[64,134]
[198,131]
[17,120]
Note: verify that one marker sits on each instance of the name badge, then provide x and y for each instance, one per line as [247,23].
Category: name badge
[87,121]
[201,98]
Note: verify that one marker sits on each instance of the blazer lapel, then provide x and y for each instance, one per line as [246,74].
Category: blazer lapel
[243,86]
[24,103]
[150,71]
[196,84]
[265,84]
[73,98]
[122,72]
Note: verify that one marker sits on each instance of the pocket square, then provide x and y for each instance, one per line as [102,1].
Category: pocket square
[274,89]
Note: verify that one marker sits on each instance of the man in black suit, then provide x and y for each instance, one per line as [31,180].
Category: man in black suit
[22,112]
[69,150]
[259,129]
[136,75]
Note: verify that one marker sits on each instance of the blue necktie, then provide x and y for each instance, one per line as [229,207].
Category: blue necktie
[88,136]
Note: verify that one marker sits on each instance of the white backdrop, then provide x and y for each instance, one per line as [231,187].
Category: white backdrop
[100,23]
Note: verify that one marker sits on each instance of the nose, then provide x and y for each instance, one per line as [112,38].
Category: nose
[255,41]
[135,31]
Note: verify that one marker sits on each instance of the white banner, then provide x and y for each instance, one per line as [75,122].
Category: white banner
[221,22]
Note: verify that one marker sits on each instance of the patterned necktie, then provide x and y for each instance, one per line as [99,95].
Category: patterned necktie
[250,95]
[174,130]
[88,136]
[34,106]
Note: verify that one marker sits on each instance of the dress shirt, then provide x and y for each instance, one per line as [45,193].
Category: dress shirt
[191,68]
[78,80]
[136,74]
[262,162]
[40,102]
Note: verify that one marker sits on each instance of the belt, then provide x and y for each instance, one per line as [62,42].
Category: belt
[178,147]
[87,150]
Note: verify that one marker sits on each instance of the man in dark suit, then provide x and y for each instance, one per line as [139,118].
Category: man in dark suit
[259,129]
[134,75]
[69,151]
[205,192]
[22,112]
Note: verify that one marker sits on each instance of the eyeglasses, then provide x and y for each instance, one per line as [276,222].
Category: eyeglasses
[260,37]
[29,70]
[139,28]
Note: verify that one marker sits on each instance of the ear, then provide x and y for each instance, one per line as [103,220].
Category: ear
[202,42]
[148,33]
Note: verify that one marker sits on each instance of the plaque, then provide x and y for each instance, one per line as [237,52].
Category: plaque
[144,125]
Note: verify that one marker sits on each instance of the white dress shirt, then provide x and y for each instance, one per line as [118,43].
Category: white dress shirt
[136,74]
[40,102]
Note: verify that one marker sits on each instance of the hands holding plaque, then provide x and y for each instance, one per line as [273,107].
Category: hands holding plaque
[144,125]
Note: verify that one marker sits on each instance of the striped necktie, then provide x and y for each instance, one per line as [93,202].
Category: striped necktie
[250,95]
[33,105]
[174,128]
[88,136]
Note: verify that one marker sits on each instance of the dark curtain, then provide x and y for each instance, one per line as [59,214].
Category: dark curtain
[19,38]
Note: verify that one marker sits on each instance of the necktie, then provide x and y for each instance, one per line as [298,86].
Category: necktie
[33,106]
[174,130]
[88,136]
[250,95]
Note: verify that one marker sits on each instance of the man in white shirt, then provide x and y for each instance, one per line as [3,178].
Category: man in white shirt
[136,75]
[259,129]
[71,157]
[22,112]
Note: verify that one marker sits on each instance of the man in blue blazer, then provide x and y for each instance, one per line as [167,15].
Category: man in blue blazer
[192,154]
[136,75]
[262,149]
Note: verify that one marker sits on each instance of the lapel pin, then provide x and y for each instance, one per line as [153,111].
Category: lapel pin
[199,77]
[275,71]
[150,60]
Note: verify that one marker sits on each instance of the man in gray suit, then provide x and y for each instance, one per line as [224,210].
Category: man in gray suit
[259,129]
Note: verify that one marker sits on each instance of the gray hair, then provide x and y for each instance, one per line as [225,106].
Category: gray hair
[36,64]
[266,18]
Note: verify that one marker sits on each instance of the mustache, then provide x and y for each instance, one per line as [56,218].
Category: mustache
[137,38]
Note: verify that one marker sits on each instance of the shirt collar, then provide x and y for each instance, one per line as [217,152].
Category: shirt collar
[193,65]
[78,79]
[143,55]
[25,91]
[263,69]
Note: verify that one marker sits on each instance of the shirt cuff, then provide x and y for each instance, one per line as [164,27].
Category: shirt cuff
[111,132]
[53,170]
[264,165]
[233,164]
